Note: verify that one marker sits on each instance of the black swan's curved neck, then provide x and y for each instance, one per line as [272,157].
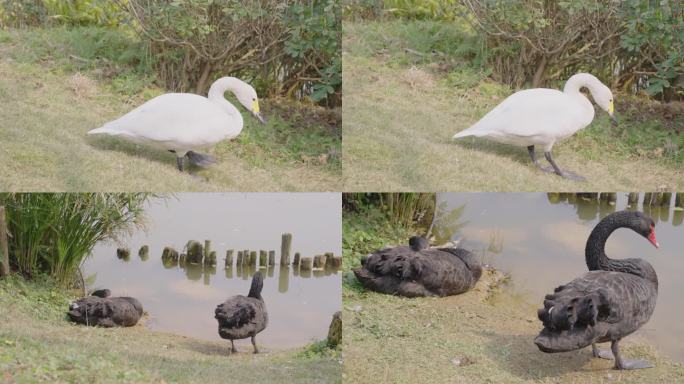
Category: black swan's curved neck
[595,254]
[257,286]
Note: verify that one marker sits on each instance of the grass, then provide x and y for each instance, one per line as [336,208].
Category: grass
[38,344]
[482,336]
[411,85]
[58,83]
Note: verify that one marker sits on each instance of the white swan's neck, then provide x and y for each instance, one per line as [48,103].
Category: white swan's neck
[582,80]
[573,86]
[216,91]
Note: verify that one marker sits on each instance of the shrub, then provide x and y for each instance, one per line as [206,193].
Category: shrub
[53,233]
[282,47]
[638,44]
[26,13]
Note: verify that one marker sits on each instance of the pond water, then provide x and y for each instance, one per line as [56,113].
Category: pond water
[182,300]
[539,239]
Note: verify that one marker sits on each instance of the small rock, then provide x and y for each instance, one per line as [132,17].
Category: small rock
[461,361]
[609,376]
[358,308]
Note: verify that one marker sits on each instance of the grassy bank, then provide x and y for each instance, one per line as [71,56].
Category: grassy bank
[411,85]
[58,83]
[482,336]
[38,344]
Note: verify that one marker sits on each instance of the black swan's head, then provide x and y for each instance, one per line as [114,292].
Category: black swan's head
[636,221]
[646,228]
[418,243]
[103,293]
[257,285]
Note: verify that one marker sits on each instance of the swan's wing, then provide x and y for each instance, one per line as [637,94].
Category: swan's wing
[582,311]
[530,113]
[172,117]
[235,312]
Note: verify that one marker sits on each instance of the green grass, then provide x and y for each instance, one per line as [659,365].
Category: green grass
[38,344]
[58,83]
[411,85]
[489,330]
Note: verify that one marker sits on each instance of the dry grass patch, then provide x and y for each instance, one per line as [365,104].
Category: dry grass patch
[398,124]
[46,108]
[482,336]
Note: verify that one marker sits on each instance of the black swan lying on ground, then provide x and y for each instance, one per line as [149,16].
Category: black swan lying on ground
[101,310]
[241,317]
[608,303]
[418,270]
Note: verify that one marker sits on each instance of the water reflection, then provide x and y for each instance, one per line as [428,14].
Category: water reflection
[181,296]
[592,206]
[539,240]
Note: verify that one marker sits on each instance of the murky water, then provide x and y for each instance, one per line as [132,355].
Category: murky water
[182,300]
[540,241]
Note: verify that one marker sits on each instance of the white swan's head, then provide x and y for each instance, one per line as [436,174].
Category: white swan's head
[603,98]
[247,96]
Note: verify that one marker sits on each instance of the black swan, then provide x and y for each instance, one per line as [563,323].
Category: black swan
[100,309]
[418,270]
[608,303]
[241,317]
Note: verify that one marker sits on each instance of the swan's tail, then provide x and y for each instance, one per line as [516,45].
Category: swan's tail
[103,129]
[472,131]
[569,319]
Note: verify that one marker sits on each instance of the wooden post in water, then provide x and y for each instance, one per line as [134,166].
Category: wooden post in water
[296,259]
[195,252]
[4,246]
[263,258]
[667,197]
[319,261]
[283,278]
[306,263]
[285,247]
[657,198]
[335,330]
[337,262]
[647,198]
[238,261]
[271,258]
[253,258]
[329,256]
[169,253]
[210,259]
[123,254]
[144,253]
[679,200]
[207,248]
[245,257]
[633,199]
[229,258]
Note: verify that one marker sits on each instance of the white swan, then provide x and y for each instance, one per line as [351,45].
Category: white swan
[543,116]
[183,122]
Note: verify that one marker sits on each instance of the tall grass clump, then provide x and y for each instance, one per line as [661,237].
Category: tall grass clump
[52,233]
[403,209]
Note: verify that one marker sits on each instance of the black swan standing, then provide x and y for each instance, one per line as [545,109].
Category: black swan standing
[241,317]
[608,303]
[418,270]
[100,309]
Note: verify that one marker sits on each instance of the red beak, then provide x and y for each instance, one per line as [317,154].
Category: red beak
[652,239]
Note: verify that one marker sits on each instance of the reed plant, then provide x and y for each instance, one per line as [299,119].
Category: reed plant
[53,233]
[405,209]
